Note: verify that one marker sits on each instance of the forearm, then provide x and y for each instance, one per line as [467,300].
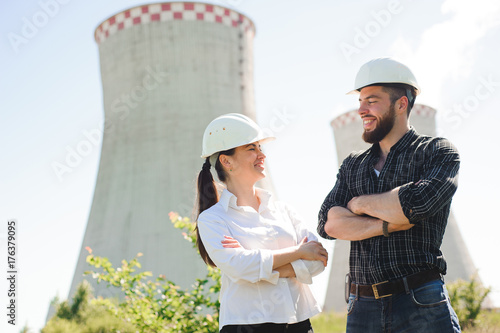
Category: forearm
[285,256]
[344,224]
[286,271]
[384,206]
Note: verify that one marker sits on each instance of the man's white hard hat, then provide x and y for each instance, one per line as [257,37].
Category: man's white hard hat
[230,131]
[384,70]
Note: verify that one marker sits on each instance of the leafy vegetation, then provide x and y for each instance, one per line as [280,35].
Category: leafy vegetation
[85,314]
[466,299]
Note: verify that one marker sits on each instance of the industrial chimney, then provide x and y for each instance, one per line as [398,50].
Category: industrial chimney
[167,70]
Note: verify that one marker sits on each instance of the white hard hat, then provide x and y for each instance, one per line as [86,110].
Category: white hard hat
[230,131]
[384,70]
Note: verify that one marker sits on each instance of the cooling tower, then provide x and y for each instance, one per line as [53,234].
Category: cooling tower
[347,129]
[167,70]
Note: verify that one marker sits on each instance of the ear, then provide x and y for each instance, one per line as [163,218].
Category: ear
[401,105]
[225,161]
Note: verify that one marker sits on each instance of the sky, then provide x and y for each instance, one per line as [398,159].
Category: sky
[306,55]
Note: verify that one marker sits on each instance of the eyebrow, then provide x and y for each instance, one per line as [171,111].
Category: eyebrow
[371,96]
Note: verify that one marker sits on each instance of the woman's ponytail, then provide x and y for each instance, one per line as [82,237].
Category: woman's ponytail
[207,197]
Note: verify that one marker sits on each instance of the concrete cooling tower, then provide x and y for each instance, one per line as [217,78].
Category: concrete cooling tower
[167,70]
[347,130]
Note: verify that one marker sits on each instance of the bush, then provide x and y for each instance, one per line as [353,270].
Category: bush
[85,315]
[466,299]
[159,305]
[148,305]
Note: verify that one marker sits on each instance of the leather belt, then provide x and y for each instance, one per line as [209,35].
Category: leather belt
[389,288]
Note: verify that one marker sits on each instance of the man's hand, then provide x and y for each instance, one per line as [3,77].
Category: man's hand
[392,227]
[354,206]
[384,206]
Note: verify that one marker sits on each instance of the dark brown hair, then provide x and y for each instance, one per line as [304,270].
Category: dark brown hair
[398,90]
[207,196]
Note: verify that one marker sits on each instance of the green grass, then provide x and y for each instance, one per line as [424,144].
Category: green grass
[330,322]
[487,322]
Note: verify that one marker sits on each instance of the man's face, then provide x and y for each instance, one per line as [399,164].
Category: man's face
[376,112]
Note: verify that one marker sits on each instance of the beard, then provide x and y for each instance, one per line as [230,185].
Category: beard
[383,127]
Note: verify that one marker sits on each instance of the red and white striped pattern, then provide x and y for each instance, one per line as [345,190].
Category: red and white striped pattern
[352,116]
[162,12]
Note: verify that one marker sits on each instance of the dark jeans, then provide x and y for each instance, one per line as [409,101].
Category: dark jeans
[423,309]
[302,327]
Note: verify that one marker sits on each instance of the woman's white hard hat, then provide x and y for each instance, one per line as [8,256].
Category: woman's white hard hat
[230,131]
[384,70]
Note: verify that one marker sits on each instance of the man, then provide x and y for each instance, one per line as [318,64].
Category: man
[392,202]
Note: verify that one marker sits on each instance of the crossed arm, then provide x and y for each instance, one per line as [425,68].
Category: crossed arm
[364,216]
[358,218]
[283,258]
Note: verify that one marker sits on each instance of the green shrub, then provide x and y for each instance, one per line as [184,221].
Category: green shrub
[466,299]
[85,315]
[149,305]
[160,305]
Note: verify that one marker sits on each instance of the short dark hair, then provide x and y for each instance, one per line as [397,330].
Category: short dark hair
[398,90]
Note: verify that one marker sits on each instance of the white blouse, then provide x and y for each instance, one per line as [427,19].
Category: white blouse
[251,292]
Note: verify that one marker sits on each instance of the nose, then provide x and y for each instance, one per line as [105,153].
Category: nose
[363,109]
[261,154]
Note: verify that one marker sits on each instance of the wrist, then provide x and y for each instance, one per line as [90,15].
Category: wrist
[359,205]
[297,253]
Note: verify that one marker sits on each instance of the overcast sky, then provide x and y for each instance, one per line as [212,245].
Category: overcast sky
[306,55]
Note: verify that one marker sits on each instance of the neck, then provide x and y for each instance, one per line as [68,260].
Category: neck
[397,132]
[245,194]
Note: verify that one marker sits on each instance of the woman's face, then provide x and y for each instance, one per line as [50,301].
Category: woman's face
[247,161]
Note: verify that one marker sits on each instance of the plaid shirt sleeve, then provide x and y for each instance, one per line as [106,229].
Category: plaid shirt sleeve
[338,196]
[437,185]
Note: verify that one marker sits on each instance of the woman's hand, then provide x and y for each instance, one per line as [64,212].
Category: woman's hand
[230,242]
[312,251]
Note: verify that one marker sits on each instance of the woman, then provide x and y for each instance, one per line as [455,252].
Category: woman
[265,253]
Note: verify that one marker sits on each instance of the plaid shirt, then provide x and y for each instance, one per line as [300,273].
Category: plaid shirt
[426,168]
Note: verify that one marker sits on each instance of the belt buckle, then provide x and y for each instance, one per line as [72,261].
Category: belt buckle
[375,291]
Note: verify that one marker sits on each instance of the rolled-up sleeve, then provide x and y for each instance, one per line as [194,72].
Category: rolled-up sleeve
[305,270]
[423,198]
[237,263]
[338,196]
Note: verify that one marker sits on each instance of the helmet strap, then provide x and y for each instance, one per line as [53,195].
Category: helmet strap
[410,97]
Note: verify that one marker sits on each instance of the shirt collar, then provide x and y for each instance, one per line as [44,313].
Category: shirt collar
[402,143]
[406,140]
[228,199]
